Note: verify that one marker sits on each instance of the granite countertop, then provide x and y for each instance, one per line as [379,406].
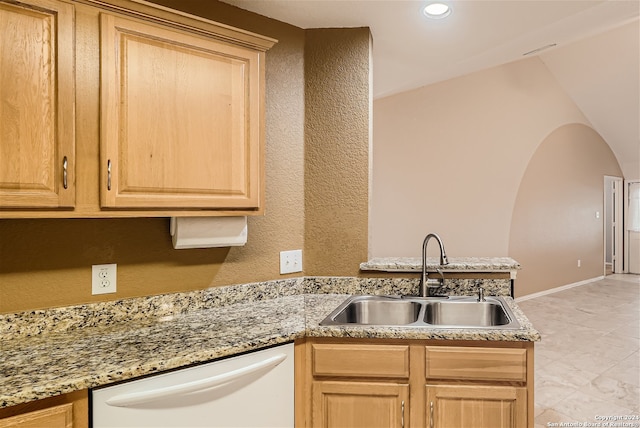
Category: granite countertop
[40,366]
[50,352]
[456,264]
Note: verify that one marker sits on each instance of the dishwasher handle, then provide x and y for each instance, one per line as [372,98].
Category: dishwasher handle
[134,398]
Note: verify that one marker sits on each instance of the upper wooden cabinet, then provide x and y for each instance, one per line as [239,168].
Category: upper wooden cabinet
[37,153]
[180,119]
[169,112]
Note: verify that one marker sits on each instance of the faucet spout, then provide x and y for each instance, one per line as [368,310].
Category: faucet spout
[427,284]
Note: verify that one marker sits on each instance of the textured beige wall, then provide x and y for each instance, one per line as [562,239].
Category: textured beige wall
[47,263]
[554,219]
[337,150]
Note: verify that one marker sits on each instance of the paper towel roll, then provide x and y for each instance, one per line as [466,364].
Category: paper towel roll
[208,232]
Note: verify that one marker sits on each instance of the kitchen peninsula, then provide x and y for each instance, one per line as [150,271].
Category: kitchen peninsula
[62,350]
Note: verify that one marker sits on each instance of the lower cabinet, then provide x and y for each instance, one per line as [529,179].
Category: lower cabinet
[62,411]
[413,383]
[54,417]
[360,404]
[476,406]
[356,384]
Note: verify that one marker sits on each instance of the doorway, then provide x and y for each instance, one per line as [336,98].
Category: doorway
[613,225]
[632,229]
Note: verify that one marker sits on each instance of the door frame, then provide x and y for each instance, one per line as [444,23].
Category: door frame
[618,248]
[626,218]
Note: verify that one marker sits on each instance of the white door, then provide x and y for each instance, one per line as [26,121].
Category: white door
[617,225]
[633,225]
[613,224]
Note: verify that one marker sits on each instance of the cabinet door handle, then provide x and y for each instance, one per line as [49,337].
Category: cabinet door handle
[109,174]
[65,183]
[431,415]
[402,420]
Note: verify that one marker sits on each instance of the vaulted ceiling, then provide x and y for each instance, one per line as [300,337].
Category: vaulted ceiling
[593,48]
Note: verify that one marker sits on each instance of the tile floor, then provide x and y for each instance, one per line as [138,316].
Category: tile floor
[587,364]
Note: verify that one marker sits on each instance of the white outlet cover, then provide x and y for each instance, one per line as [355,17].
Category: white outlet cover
[290,261]
[103,279]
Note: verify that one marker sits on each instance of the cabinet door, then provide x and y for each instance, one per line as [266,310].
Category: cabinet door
[360,404]
[471,406]
[37,156]
[54,417]
[180,119]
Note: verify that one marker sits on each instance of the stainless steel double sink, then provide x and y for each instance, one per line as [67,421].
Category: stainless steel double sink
[433,312]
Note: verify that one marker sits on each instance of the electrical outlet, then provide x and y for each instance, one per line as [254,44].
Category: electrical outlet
[579,263]
[290,261]
[103,279]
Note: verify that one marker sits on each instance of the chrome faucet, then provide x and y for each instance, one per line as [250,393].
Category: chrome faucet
[481,295]
[427,284]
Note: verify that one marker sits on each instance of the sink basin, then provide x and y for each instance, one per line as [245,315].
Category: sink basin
[466,314]
[437,312]
[374,310]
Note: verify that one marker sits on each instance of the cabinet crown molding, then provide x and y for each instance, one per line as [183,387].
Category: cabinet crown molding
[185,21]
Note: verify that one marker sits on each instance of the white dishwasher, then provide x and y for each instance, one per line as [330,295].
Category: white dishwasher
[250,390]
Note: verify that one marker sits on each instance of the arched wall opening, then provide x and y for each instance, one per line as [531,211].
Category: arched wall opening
[555,222]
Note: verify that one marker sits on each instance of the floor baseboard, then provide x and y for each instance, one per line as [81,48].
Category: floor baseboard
[557,289]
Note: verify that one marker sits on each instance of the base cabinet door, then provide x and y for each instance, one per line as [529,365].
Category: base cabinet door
[360,404]
[54,417]
[476,406]
[69,410]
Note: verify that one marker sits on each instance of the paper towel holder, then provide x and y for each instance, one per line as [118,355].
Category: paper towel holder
[208,232]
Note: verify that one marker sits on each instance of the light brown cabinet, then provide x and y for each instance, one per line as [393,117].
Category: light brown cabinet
[37,144]
[62,411]
[360,404]
[180,119]
[53,417]
[379,397]
[414,383]
[476,406]
[169,112]
[480,387]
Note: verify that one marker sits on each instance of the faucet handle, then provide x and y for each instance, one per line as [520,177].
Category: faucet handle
[481,294]
[434,283]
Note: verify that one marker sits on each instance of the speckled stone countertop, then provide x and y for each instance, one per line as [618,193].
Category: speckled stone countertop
[456,264]
[50,352]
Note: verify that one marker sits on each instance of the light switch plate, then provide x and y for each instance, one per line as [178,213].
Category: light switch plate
[290,261]
[103,279]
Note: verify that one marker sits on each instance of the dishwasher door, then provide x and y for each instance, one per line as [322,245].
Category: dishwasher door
[251,390]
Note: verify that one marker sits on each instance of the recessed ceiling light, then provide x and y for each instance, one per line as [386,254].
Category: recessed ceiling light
[437,10]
